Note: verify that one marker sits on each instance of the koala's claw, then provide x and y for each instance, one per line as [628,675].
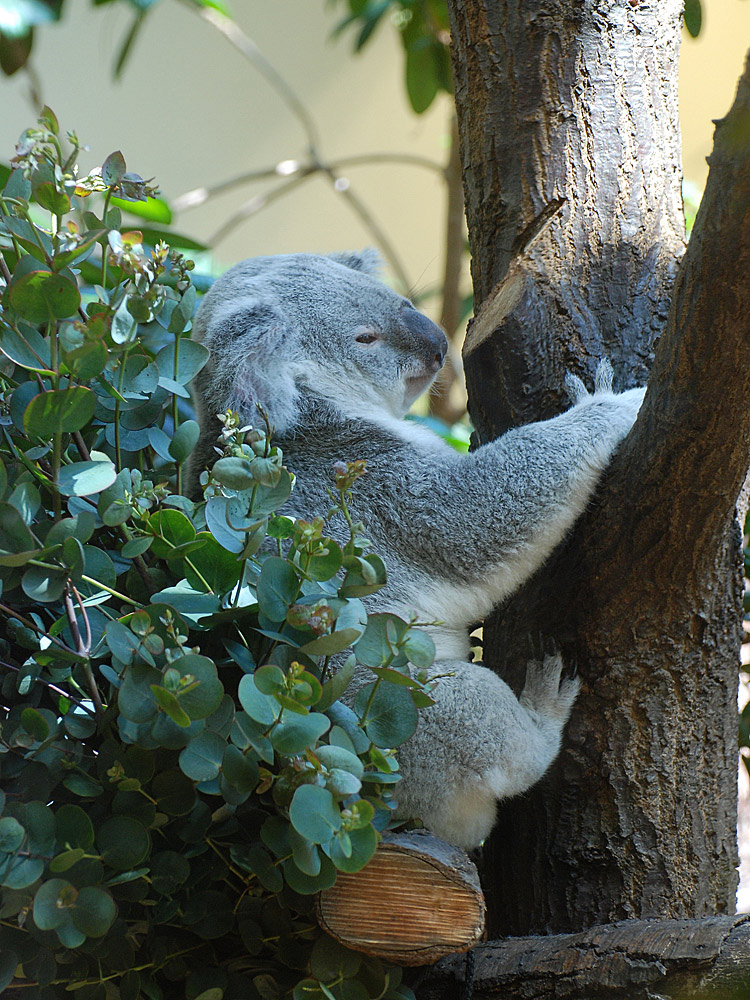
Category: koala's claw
[603,376]
[575,388]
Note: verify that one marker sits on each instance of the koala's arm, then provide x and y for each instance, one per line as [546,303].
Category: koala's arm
[479,525]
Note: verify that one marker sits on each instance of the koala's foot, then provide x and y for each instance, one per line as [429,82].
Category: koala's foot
[547,692]
[478,743]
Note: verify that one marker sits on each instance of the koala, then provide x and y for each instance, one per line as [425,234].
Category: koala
[336,358]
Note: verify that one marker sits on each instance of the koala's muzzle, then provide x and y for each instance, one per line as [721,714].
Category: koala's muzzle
[426,339]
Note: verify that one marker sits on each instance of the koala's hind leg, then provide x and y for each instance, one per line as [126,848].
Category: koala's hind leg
[479,743]
[546,692]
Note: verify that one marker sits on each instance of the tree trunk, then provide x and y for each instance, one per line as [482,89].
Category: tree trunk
[570,144]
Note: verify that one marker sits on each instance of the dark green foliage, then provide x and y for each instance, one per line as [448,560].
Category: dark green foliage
[425,33]
[179,774]
[23,16]
[693,17]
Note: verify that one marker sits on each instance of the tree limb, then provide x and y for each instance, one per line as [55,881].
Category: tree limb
[633,960]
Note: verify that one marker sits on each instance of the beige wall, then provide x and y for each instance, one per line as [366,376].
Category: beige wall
[227,120]
[709,69]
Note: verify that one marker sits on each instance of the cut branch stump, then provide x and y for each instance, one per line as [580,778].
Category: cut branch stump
[416,901]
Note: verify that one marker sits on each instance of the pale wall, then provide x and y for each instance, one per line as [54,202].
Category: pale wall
[225,119]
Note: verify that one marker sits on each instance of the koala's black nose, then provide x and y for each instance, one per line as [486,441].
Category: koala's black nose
[428,339]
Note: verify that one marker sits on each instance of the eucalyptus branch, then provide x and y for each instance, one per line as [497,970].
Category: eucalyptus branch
[341,186]
[244,44]
[4,270]
[30,624]
[254,205]
[83,647]
[81,446]
[289,168]
[52,687]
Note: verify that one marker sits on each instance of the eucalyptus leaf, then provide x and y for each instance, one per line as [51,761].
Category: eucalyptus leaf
[314,813]
[84,478]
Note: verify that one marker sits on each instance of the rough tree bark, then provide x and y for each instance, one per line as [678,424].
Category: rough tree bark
[570,144]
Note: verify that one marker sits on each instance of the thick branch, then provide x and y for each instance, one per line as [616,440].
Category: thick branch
[636,960]
[690,450]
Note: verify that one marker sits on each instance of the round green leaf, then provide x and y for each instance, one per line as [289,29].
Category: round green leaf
[420,648]
[326,562]
[52,903]
[262,707]
[331,960]
[314,813]
[375,647]
[278,587]
[191,357]
[296,733]
[206,690]
[47,196]
[59,411]
[169,870]
[25,872]
[392,716]
[308,885]
[25,347]
[123,842]
[338,757]
[86,361]
[201,758]
[233,472]
[43,295]
[170,528]
[35,724]
[43,585]
[218,567]
[11,835]
[184,440]
[8,966]
[81,479]
[94,911]
[15,538]
[73,828]
[363,842]
[174,792]
[306,854]
[69,935]
[269,679]
[255,859]
[239,769]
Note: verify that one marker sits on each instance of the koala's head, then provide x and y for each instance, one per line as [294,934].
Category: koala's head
[287,328]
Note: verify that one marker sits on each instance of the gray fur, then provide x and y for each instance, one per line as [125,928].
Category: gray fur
[459,533]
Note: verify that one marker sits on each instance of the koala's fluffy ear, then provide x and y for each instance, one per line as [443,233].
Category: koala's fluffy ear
[252,344]
[368,260]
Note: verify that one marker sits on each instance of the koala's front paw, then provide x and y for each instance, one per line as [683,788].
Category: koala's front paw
[628,402]
[603,376]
